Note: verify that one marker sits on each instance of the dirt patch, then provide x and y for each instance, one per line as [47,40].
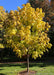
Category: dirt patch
[26,73]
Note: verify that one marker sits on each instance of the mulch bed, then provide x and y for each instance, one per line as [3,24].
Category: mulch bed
[26,73]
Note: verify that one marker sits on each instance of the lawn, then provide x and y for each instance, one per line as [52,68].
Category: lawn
[42,68]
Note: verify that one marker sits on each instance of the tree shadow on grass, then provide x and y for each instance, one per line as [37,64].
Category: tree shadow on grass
[2,74]
[10,65]
[1,69]
[24,65]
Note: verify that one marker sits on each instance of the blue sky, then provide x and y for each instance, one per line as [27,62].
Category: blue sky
[12,4]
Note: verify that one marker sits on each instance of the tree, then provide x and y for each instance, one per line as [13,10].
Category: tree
[26,32]
[2,18]
[44,4]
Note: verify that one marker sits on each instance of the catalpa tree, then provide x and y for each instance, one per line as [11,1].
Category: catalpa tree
[2,18]
[26,32]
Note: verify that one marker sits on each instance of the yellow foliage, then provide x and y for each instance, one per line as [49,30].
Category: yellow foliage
[1,46]
[27,31]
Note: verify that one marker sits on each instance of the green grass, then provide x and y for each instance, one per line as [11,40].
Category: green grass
[41,68]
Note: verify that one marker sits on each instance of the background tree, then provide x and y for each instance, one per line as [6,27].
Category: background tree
[26,32]
[44,4]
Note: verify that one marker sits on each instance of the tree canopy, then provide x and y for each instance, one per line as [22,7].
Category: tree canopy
[26,32]
[2,18]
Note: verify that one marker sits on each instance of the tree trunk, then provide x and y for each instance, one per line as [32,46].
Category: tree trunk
[27,62]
